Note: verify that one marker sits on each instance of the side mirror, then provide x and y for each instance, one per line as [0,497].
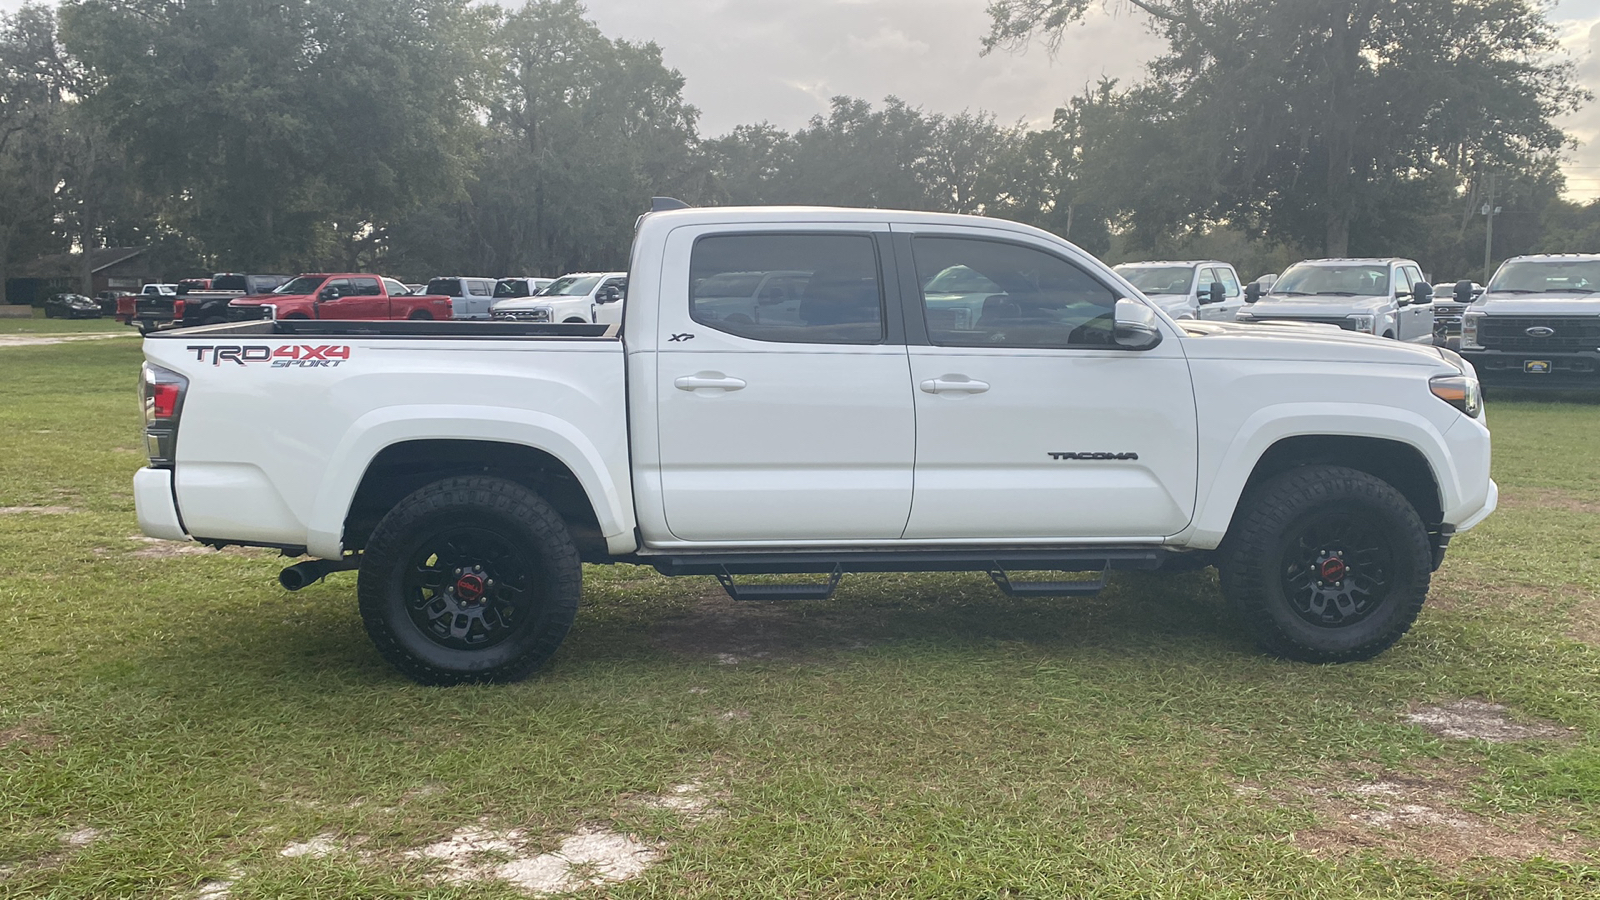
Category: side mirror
[1214,293]
[1252,292]
[1422,292]
[1463,291]
[328,293]
[609,294]
[1134,325]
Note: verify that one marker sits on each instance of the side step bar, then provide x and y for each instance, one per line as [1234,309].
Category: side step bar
[724,566]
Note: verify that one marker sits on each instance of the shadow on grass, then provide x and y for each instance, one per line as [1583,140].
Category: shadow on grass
[315,639]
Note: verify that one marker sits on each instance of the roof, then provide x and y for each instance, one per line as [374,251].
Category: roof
[69,263]
[1574,257]
[1364,260]
[1173,262]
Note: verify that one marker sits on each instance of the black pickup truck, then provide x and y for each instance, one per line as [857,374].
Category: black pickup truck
[190,308]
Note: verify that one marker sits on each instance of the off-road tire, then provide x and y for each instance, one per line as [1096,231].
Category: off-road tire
[500,514]
[1261,557]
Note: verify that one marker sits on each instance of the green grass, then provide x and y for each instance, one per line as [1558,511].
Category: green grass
[918,736]
[41,325]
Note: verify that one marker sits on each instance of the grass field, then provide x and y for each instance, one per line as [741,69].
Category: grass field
[173,724]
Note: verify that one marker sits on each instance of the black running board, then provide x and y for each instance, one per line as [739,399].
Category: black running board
[835,564]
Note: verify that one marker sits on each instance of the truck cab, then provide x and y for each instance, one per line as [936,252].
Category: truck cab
[1384,297]
[1188,289]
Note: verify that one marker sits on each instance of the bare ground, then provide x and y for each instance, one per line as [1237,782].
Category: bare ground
[1478,720]
[732,632]
[1548,498]
[1425,816]
[34,340]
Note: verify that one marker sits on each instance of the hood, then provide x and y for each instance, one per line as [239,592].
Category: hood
[1502,304]
[1323,343]
[259,299]
[526,302]
[1317,307]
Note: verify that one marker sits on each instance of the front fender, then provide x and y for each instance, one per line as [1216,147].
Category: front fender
[601,471]
[1233,463]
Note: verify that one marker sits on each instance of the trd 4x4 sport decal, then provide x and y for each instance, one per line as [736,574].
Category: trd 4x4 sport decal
[302,356]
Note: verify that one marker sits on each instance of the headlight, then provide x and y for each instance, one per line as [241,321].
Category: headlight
[1460,391]
[1360,323]
[1469,331]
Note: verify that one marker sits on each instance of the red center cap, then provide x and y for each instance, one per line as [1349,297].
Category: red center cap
[469,588]
[1333,569]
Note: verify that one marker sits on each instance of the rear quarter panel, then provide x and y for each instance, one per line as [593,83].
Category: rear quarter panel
[276,436]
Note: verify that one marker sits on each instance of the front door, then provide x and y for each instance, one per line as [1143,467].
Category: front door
[609,313]
[1417,318]
[797,427]
[354,298]
[1031,422]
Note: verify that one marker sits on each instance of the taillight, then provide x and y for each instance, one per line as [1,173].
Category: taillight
[177,308]
[162,391]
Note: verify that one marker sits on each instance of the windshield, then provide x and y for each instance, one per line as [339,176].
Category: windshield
[1548,276]
[1159,279]
[571,286]
[1333,281]
[305,284]
[517,287]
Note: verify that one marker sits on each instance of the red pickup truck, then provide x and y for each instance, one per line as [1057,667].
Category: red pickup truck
[340,295]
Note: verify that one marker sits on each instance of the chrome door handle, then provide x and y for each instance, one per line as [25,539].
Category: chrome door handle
[713,380]
[953,384]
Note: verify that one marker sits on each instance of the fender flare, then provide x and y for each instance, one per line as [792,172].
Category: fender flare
[1219,496]
[372,433]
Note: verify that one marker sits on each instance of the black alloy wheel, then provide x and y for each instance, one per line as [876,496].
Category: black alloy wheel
[469,579]
[1336,570]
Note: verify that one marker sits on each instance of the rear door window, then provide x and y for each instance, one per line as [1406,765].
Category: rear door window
[365,287]
[831,288]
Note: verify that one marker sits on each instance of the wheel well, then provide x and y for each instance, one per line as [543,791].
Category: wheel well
[402,468]
[1401,465]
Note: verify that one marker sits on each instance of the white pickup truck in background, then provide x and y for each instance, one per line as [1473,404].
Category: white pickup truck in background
[1062,423]
[1188,289]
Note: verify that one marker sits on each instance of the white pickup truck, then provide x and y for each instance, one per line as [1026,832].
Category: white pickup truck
[466,468]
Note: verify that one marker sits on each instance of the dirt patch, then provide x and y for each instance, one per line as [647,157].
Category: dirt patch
[83,837]
[732,632]
[35,340]
[1548,498]
[1425,817]
[1476,720]
[592,856]
[322,845]
[156,548]
[691,801]
[36,510]
[1584,622]
[28,737]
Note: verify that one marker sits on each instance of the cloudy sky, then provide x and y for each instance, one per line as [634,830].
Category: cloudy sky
[781,60]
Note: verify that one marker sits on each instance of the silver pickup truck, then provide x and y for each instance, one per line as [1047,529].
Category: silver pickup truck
[1385,297]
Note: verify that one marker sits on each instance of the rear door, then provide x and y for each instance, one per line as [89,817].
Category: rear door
[1032,424]
[798,427]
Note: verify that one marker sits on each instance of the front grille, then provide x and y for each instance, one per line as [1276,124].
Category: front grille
[1511,333]
[523,315]
[1317,320]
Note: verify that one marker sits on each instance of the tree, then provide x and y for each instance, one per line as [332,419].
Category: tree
[284,133]
[1308,115]
[33,106]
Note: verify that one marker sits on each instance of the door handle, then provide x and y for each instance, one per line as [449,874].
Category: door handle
[953,384]
[712,380]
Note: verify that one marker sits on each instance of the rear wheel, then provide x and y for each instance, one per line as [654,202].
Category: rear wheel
[469,579]
[575,321]
[1326,564]
[420,315]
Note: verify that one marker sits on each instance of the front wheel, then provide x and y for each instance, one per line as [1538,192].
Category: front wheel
[1326,564]
[469,579]
[420,315]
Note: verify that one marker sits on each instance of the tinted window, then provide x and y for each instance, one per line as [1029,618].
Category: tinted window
[450,287]
[516,287]
[826,288]
[339,286]
[365,287]
[228,283]
[1042,300]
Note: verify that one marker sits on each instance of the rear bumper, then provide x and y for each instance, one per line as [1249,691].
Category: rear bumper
[155,505]
[1559,371]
